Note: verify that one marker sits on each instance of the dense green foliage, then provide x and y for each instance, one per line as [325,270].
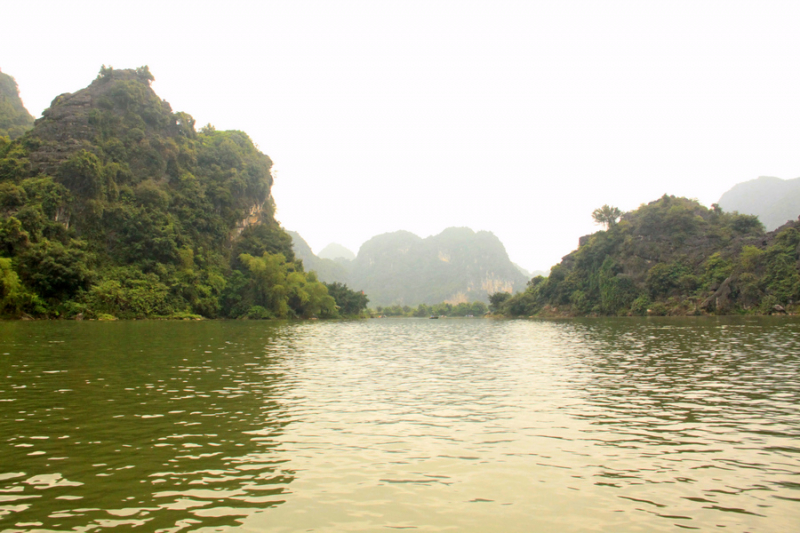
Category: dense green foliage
[14,118]
[277,289]
[327,270]
[464,309]
[114,205]
[606,215]
[672,256]
[348,301]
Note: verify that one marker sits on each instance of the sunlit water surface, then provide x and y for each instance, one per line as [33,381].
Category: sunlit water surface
[432,425]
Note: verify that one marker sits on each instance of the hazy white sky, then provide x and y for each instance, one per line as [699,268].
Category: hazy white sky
[516,117]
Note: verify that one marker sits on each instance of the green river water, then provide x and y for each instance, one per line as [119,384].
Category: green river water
[613,425]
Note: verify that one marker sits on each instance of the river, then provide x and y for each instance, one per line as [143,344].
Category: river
[608,425]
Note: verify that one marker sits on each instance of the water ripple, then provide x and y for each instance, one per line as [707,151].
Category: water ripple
[467,425]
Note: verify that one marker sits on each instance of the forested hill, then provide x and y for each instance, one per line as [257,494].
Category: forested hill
[14,118]
[671,256]
[327,270]
[458,265]
[115,206]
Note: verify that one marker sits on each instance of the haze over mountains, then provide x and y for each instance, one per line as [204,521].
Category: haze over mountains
[336,251]
[773,200]
[113,188]
[458,265]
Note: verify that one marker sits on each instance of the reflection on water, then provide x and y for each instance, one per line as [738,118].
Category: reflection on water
[163,425]
[450,425]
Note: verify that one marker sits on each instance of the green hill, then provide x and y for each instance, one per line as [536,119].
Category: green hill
[14,118]
[113,205]
[458,265]
[671,256]
[773,200]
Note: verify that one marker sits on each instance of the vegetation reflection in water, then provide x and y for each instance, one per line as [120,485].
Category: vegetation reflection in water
[165,424]
[460,425]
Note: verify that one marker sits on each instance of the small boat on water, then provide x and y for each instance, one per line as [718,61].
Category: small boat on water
[434,317]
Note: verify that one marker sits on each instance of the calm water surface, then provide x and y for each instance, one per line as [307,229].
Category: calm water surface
[431,425]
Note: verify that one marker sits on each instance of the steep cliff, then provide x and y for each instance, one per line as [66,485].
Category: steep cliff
[114,204]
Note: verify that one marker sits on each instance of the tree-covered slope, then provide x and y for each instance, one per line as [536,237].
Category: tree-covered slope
[458,265]
[14,118]
[671,256]
[773,200]
[113,204]
[327,270]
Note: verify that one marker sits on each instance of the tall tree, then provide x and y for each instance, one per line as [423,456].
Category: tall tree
[606,215]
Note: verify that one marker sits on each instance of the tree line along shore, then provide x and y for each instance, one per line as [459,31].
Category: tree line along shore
[114,206]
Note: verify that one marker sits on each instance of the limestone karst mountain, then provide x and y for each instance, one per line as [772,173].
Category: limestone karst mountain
[458,265]
[773,200]
[672,256]
[113,205]
[327,270]
[336,251]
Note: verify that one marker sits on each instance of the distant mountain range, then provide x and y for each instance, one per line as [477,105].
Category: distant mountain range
[773,200]
[327,270]
[458,265]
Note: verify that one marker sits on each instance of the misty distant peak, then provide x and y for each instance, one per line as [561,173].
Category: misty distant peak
[336,251]
[774,200]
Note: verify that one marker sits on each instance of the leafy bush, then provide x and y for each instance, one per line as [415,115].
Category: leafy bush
[259,313]
[640,305]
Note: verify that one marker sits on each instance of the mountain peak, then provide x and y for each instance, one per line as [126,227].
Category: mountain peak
[773,200]
[336,251]
[14,118]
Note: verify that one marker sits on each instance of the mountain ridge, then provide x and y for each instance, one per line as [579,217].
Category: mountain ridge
[773,200]
[400,268]
[336,251]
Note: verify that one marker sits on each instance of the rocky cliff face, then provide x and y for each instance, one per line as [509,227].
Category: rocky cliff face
[118,104]
[115,204]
